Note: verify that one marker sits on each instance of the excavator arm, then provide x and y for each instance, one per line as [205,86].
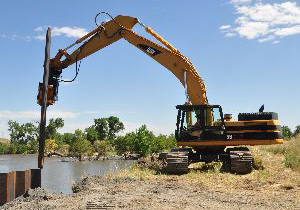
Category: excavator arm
[112,31]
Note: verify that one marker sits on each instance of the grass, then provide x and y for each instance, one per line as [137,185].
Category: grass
[290,150]
[275,171]
[271,172]
[4,141]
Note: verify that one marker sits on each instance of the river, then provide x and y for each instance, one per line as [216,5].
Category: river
[58,176]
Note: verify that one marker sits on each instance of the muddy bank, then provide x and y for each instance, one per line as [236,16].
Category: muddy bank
[275,187]
[144,190]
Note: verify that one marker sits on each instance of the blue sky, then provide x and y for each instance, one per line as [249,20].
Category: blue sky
[247,52]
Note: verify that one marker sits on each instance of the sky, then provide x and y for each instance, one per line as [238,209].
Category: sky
[247,52]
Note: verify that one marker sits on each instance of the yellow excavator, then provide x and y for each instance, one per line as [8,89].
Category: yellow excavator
[202,132]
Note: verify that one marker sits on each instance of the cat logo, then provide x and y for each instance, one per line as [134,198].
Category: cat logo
[149,49]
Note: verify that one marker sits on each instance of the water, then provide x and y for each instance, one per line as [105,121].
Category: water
[58,176]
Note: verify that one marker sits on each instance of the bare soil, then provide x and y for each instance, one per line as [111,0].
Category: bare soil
[275,187]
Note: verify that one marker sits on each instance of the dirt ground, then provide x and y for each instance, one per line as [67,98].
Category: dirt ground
[275,187]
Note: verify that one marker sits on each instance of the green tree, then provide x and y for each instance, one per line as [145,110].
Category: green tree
[80,145]
[4,148]
[297,130]
[12,149]
[107,128]
[124,144]
[68,138]
[91,134]
[170,142]
[102,147]
[114,127]
[143,141]
[22,133]
[33,146]
[101,126]
[51,128]
[286,132]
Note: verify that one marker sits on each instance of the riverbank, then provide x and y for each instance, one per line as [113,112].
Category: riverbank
[275,187]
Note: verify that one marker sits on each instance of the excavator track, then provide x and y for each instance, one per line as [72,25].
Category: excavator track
[240,161]
[177,163]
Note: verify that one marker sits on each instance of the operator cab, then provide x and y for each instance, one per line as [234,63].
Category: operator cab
[198,123]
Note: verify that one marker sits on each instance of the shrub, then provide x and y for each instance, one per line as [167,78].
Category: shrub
[3,148]
[258,163]
[292,154]
[102,147]
[80,145]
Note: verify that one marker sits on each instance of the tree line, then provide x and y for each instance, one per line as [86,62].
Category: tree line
[102,137]
[288,133]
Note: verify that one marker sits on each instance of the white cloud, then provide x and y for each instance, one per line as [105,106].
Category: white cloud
[41,37]
[69,32]
[63,31]
[224,27]
[2,36]
[39,29]
[263,21]
[91,112]
[240,1]
[36,114]
[71,127]
[269,38]
[230,34]
[288,31]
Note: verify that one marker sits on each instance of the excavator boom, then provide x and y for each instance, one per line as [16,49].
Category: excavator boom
[120,27]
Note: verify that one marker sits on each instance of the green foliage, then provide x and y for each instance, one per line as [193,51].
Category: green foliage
[163,143]
[292,161]
[80,145]
[143,140]
[107,128]
[292,153]
[4,148]
[102,147]
[101,127]
[286,132]
[24,139]
[296,131]
[68,138]
[33,146]
[276,149]
[12,149]
[258,163]
[17,148]
[114,127]
[123,144]
[91,134]
[22,133]
[51,128]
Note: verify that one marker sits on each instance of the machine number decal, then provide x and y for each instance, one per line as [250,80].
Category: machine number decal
[229,137]
[149,50]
